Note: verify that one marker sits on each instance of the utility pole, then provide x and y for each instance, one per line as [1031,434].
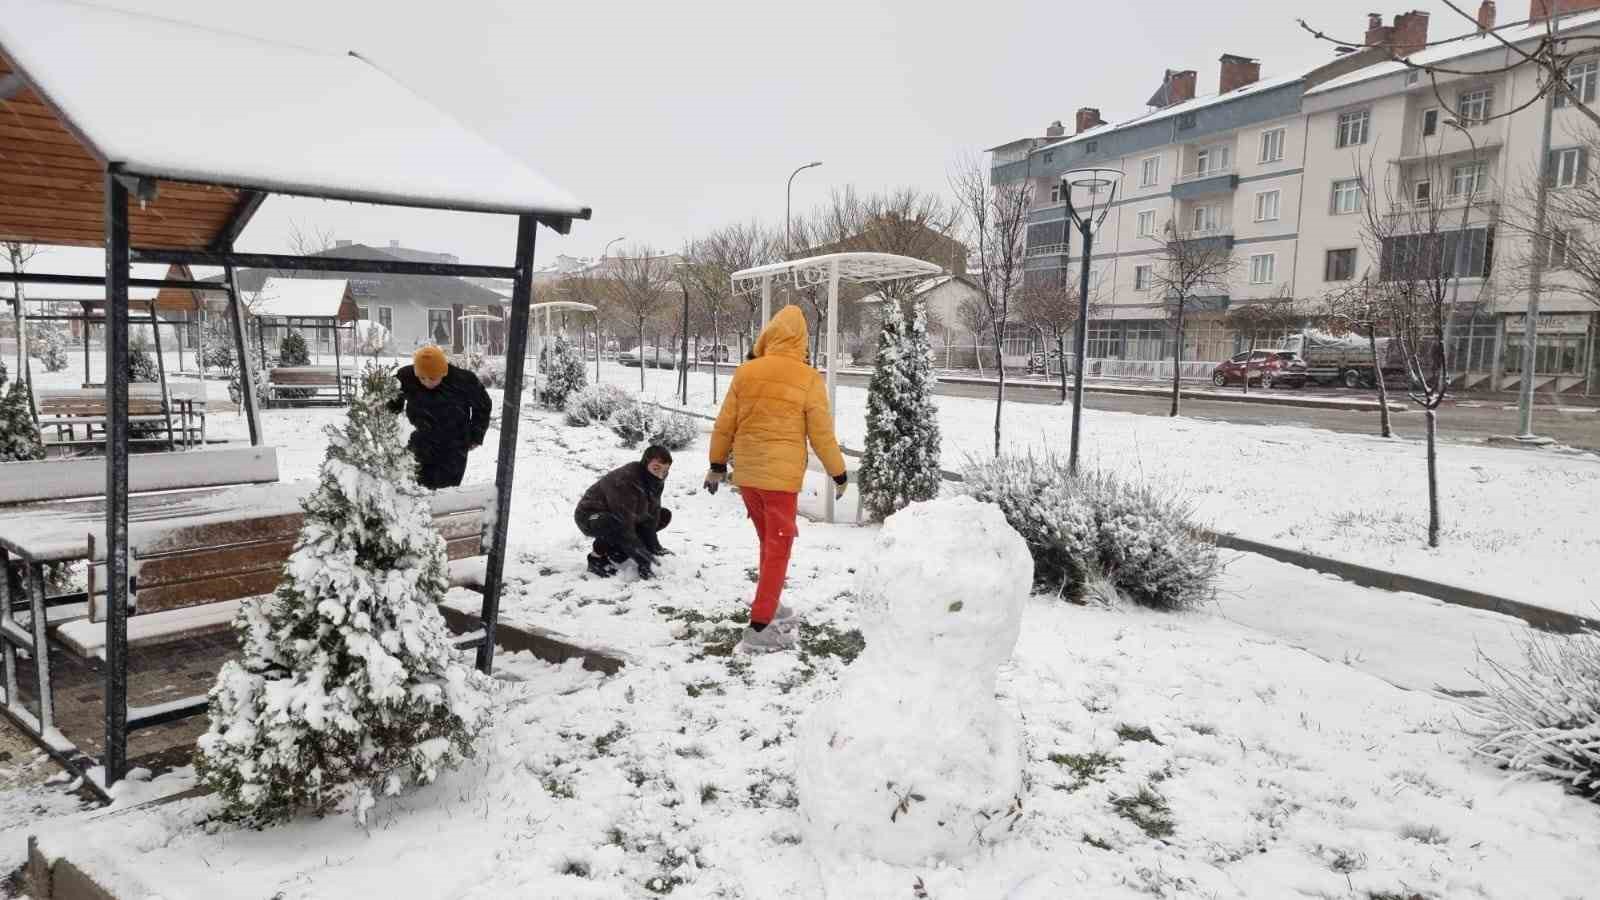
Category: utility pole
[1530,320]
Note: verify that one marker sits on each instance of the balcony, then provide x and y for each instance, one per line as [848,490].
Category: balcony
[1203,182]
[1055,212]
[1483,198]
[1047,250]
[1220,235]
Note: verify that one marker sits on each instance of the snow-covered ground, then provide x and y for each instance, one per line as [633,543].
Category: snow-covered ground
[1196,753]
[1519,524]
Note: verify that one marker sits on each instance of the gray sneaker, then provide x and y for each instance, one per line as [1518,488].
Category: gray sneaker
[786,618]
[767,640]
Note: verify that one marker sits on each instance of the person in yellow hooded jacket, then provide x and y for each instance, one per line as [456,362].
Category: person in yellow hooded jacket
[775,405]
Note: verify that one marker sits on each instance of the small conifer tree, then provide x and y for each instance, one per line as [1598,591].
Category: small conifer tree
[901,464]
[349,683]
[19,439]
[564,375]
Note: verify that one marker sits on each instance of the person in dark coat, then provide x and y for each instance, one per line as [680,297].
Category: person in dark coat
[449,409]
[622,513]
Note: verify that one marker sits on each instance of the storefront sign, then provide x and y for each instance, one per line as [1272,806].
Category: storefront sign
[1550,323]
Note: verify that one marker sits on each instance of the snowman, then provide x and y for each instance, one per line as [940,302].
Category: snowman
[915,759]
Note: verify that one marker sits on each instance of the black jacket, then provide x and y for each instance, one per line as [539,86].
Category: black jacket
[448,419]
[629,492]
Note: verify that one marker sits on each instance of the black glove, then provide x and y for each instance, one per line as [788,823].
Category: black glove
[661,551]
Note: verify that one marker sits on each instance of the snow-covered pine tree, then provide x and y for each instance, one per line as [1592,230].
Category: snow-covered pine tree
[19,439]
[292,350]
[564,375]
[349,683]
[901,464]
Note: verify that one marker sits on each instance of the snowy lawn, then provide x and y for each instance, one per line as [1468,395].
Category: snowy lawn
[1165,753]
[1519,524]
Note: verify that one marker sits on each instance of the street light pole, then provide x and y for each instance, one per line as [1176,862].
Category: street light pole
[683,358]
[1098,181]
[788,195]
[607,249]
[1530,319]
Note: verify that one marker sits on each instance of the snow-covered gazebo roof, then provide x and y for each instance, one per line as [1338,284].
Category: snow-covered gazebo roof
[816,270]
[305,298]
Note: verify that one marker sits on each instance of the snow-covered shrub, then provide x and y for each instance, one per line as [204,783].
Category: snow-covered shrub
[349,683]
[292,350]
[901,464]
[1544,720]
[19,439]
[141,365]
[638,423]
[491,371]
[564,375]
[1134,538]
[48,344]
[595,404]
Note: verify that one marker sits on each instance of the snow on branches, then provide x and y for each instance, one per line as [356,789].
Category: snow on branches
[901,464]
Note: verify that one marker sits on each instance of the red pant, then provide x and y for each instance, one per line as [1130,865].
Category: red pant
[773,515]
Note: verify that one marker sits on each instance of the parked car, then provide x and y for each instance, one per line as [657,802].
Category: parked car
[662,358]
[1267,368]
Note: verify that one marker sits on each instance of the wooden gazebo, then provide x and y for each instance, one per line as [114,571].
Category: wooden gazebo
[142,135]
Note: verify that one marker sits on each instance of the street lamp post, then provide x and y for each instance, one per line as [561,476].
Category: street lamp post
[1100,186]
[607,249]
[788,194]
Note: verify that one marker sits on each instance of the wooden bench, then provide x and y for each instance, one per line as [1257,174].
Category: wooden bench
[42,481]
[65,412]
[305,385]
[189,576]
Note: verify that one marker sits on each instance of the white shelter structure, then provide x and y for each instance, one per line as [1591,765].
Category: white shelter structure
[829,269]
[543,333]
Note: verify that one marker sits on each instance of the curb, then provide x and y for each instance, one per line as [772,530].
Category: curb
[1366,576]
[1191,394]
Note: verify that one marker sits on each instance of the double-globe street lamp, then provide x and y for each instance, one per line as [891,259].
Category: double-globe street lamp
[1098,187]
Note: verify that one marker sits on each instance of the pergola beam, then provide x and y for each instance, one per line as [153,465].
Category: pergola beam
[290,263]
[249,202]
[99,281]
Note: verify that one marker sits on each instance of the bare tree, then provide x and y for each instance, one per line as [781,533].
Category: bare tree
[1050,305]
[1360,308]
[996,217]
[709,264]
[638,288]
[19,254]
[1562,245]
[309,240]
[1188,267]
[1252,318]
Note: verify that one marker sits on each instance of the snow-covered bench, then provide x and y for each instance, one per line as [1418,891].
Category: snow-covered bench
[63,413]
[309,384]
[189,574]
[75,479]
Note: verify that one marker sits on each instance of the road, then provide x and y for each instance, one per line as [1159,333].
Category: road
[1473,420]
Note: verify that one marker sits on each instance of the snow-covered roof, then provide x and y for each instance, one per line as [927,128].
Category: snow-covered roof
[309,298]
[171,100]
[76,261]
[815,270]
[1459,48]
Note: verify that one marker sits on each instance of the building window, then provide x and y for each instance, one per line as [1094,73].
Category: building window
[1049,157]
[440,327]
[1556,249]
[1346,196]
[1150,171]
[1105,341]
[1147,223]
[1267,206]
[1272,145]
[386,318]
[1352,128]
[362,314]
[1422,191]
[1186,122]
[1567,167]
[1581,80]
[1261,267]
[1437,255]
[1091,147]
[1211,159]
[1468,179]
[1563,344]
[1147,340]
[1055,193]
[1414,77]
[1430,122]
[1207,219]
[1475,107]
[1340,266]
[1141,277]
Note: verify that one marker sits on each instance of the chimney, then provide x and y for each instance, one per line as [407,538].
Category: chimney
[1088,117]
[1238,71]
[1543,9]
[1181,87]
[394,245]
[1486,16]
[1055,130]
[344,243]
[1408,34]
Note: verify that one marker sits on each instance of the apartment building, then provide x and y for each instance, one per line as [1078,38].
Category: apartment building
[1274,170]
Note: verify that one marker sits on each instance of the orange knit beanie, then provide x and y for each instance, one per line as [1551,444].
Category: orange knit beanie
[430,362]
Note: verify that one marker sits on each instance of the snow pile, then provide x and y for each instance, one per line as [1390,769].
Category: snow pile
[914,758]
[348,672]
[901,464]
[1545,720]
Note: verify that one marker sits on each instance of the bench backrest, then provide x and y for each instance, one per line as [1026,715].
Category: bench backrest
[93,403]
[231,560]
[305,375]
[74,479]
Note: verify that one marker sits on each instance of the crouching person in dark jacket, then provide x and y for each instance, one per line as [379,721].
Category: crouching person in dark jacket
[449,410]
[622,512]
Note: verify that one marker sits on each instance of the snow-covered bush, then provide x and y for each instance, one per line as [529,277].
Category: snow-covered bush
[564,375]
[914,758]
[292,350]
[595,404]
[48,344]
[19,439]
[491,371]
[1544,719]
[141,365]
[348,683]
[369,339]
[638,423]
[901,464]
[1137,539]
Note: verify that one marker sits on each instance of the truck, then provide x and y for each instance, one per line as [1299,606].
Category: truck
[1347,358]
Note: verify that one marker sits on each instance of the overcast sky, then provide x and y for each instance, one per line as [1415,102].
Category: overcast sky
[672,118]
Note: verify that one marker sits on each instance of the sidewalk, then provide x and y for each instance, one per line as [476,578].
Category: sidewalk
[1149,389]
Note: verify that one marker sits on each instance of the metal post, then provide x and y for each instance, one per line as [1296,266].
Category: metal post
[41,647]
[1083,342]
[86,378]
[510,418]
[766,301]
[247,374]
[161,371]
[338,366]
[683,356]
[1530,330]
[833,353]
[8,653]
[116,341]
[598,340]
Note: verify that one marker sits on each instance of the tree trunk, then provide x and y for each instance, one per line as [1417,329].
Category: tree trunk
[1061,349]
[716,357]
[1000,385]
[641,357]
[1247,359]
[1177,360]
[1432,417]
[977,353]
[1384,428]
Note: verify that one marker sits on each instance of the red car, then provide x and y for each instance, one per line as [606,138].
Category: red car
[1267,368]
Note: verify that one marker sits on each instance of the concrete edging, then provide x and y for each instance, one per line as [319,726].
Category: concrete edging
[1192,394]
